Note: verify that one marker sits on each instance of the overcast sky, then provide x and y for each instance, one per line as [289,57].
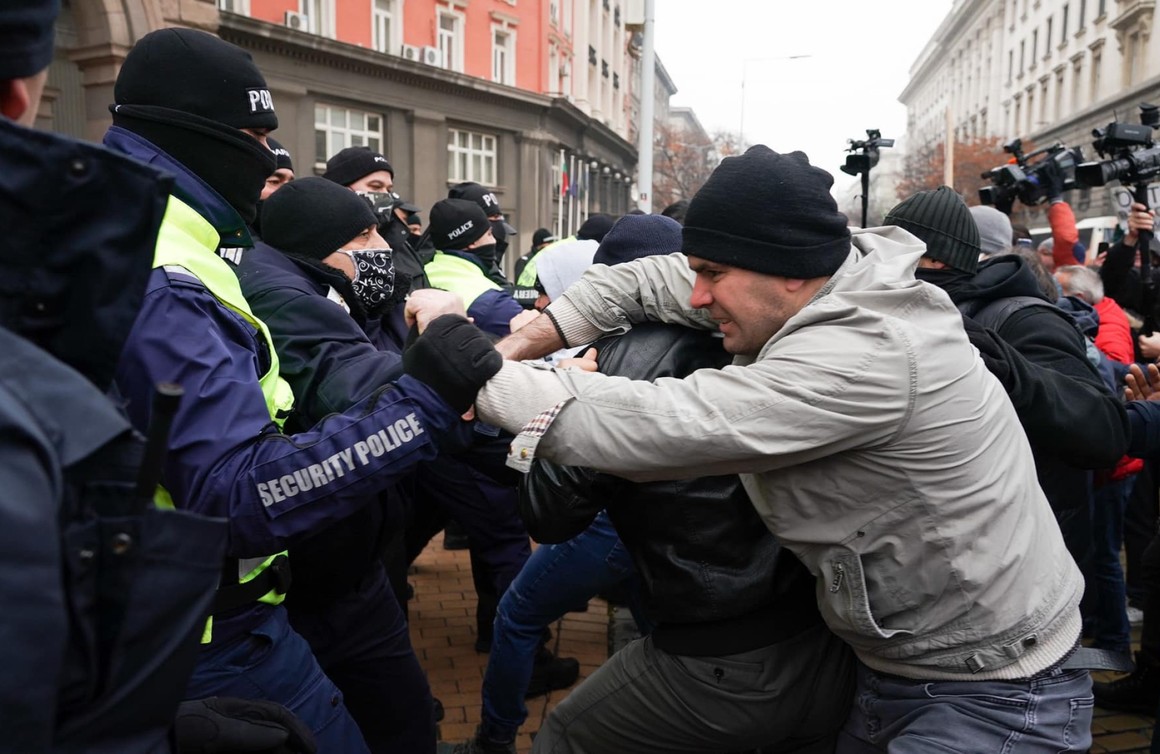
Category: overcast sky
[861,52]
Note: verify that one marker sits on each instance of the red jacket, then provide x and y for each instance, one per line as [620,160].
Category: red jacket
[1064,234]
[1114,338]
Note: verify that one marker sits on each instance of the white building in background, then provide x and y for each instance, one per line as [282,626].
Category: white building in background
[1042,70]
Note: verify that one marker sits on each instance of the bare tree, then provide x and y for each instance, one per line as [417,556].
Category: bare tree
[924,167]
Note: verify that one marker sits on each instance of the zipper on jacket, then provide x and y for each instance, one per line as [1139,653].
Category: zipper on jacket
[839,574]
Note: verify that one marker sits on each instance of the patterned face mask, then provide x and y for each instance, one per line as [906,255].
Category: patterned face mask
[374,277]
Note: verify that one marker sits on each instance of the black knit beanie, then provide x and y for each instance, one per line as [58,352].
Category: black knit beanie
[481,195]
[636,236]
[941,220]
[281,155]
[455,224]
[313,217]
[196,73]
[189,93]
[353,163]
[26,37]
[595,228]
[770,213]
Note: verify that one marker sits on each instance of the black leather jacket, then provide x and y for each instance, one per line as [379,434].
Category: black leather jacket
[712,575]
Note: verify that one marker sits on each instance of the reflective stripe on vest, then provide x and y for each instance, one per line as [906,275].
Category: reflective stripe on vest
[189,243]
[459,276]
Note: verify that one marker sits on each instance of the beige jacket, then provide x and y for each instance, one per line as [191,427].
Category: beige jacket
[872,440]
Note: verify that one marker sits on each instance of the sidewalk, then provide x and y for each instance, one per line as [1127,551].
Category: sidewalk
[442,618]
[443,633]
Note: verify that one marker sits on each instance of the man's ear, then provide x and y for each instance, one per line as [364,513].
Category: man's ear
[14,99]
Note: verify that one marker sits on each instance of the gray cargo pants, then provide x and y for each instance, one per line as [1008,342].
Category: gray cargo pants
[792,696]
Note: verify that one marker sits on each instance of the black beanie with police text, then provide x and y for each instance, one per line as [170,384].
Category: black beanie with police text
[350,164]
[313,217]
[768,212]
[455,224]
[943,222]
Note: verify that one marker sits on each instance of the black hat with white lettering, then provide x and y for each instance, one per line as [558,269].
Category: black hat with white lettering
[353,163]
[455,224]
[481,195]
[313,217]
[196,73]
[281,154]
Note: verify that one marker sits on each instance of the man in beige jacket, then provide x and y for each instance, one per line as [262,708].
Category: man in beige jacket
[869,435]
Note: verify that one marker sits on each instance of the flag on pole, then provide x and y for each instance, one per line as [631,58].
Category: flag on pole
[563,175]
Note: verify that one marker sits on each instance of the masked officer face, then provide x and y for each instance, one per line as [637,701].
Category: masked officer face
[368,239]
[377,182]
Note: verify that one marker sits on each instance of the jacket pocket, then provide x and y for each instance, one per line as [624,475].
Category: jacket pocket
[845,602]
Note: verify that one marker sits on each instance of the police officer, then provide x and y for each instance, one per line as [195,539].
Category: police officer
[198,107]
[101,640]
[466,245]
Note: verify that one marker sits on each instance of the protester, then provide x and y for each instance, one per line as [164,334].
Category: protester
[871,438]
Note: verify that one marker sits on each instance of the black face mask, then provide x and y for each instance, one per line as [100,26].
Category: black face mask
[485,254]
[501,244]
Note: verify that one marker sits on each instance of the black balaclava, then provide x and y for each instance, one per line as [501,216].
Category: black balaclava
[190,94]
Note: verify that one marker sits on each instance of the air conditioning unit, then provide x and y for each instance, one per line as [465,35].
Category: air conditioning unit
[410,52]
[297,21]
[430,56]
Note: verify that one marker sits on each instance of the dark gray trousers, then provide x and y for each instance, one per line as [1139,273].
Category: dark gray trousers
[789,697]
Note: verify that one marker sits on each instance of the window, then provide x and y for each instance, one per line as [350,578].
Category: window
[1034,46]
[1030,111]
[1063,25]
[387,25]
[336,128]
[554,12]
[320,15]
[568,17]
[1022,46]
[1102,9]
[1059,94]
[450,40]
[235,6]
[1097,56]
[1042,104]
[471,156]
[1082,13]
[1047,39]
[1077,84]
[1010,64]
[503,54]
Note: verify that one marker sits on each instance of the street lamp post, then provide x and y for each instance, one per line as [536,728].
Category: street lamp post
[744,73]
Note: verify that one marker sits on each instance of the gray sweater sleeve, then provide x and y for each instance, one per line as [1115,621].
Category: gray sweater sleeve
[612,299]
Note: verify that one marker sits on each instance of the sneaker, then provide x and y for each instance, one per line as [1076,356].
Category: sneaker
[551,673]
[1137,692]
[454,537]
[1135,615]
[477,744]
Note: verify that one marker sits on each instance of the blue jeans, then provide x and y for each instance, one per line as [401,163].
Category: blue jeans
[1047,714]
[1105,575]
[272,662]
[555,579]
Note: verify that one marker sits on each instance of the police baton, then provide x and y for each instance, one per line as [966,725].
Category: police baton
[166,398]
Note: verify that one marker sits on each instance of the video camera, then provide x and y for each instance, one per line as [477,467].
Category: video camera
[866,152]
[1132,156]
[1023,180]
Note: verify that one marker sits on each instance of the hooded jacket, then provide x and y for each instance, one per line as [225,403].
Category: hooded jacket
[1074,423]
[871,439]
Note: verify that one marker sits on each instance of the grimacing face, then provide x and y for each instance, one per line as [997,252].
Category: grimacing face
[749,307]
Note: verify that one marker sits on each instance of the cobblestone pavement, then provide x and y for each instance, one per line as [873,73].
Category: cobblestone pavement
[443,633]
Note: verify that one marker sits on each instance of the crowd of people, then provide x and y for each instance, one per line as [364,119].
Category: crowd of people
[862,491]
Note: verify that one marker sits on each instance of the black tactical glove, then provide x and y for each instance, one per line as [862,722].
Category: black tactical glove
[454,358]
[240,726]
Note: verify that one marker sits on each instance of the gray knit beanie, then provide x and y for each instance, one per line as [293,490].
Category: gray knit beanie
[994,230]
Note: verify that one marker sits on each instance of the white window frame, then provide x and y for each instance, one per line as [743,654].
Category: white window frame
[394,17]
[451,59]
[241,7]
[346,132]
[503,58]
[319,16]
[472,156]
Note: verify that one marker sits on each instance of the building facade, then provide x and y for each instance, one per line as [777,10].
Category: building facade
[504,92]
[1043,70]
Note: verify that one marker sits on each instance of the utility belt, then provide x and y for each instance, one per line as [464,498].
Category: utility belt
[275,577]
